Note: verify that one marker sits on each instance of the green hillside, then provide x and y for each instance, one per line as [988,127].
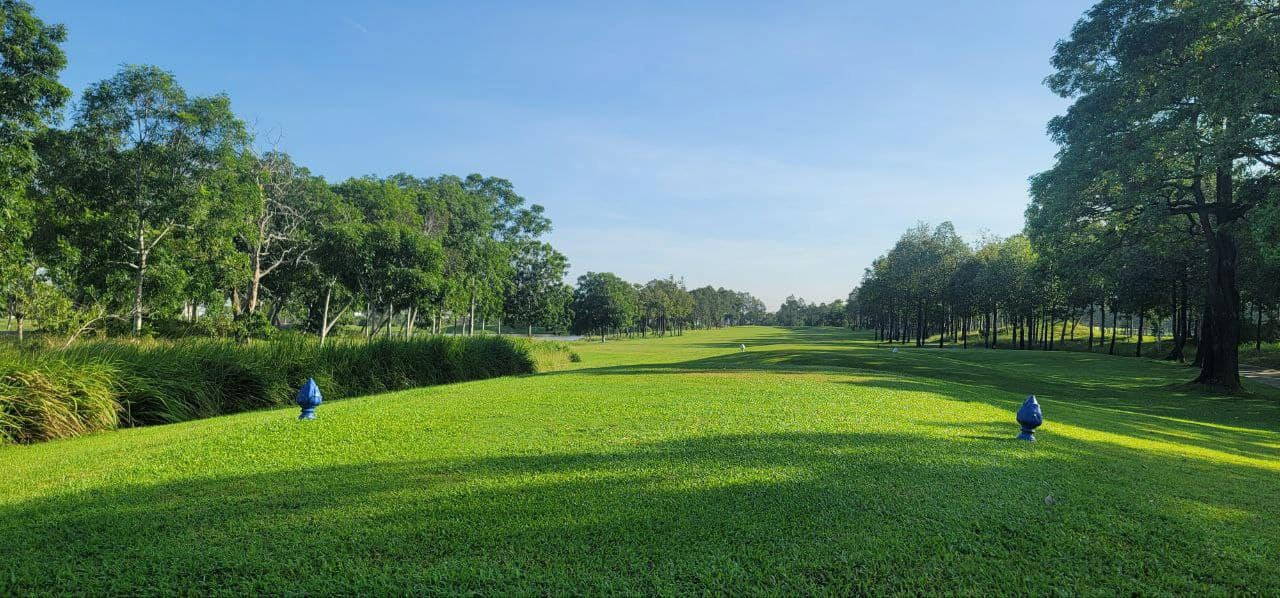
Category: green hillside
[816,461]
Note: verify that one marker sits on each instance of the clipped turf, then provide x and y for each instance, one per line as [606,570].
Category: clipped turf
[816,462]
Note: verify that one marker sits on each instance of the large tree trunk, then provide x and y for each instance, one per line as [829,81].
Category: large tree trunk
[1220,346]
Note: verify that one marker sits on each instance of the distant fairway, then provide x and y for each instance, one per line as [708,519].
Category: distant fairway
[817,461]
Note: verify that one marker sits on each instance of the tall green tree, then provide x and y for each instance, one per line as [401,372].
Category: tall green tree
[152,149]
[30,98]
[535,295]
[603,302]
[1175,108]
[388,257]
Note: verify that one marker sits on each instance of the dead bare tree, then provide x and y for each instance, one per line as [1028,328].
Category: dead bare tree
[278,212]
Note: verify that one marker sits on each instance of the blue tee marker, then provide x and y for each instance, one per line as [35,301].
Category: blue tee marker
[309,398]
[1030,418]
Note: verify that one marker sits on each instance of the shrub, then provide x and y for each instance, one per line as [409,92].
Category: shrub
[100,385]
[253,325]
[550,355]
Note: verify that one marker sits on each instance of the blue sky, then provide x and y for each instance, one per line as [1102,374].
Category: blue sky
[770,147]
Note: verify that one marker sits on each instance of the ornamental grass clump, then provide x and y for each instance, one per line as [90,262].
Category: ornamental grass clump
[47,397]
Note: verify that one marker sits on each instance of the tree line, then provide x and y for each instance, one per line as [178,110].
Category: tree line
[795,311]
[1162,204]
[146,209]
[1017,292]
[603,304]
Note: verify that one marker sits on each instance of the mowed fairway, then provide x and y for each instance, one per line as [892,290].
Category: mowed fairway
[815,462]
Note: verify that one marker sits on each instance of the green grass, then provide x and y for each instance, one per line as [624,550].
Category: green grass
[816,462]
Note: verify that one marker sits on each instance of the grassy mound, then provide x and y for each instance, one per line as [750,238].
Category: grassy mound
[816,462]
[97,386]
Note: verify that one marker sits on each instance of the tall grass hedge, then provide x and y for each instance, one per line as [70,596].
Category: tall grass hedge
[103,385]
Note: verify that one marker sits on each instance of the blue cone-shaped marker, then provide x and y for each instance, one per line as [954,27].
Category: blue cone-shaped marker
[1030,417]
[309,398]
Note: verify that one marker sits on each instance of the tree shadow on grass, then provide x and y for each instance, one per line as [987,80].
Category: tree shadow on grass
[1089,377]
[792,336]
[1129,397]
[780,513]
[1114,415]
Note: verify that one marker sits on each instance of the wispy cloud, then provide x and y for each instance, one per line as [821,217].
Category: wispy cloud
[355,25]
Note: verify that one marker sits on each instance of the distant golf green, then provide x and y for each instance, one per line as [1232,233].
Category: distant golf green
[816,462]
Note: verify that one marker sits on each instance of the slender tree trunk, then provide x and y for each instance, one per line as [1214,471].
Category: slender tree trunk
[1102,324]
[471,315]
[1114,326]
[324,317]
[920,324]
[368,319]
[1091,307]
[1257,342]
[138,284]
[1180,315]
[255,283]
[942,334]
[1142,320]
